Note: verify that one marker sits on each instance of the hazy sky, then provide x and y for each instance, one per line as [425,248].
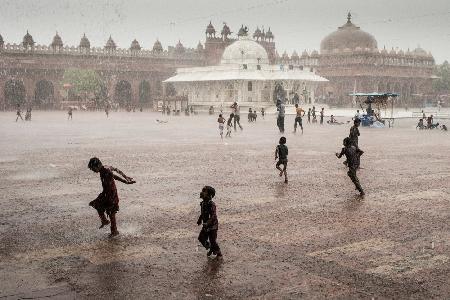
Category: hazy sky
[297,24]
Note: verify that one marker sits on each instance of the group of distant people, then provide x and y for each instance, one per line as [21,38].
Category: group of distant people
[430,123]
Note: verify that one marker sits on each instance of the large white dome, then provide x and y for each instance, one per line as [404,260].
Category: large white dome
[245,51]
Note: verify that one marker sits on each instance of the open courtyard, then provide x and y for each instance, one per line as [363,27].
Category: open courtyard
[311,238]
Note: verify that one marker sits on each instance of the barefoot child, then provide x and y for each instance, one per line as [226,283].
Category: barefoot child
[221,121]
[108,200]
[281,153]
[352,153]
[208,218]
[229,125]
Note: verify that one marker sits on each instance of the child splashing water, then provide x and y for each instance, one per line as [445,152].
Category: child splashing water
[281,153]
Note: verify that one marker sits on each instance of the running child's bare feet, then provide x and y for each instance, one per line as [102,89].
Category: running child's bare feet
[113,234]
[106,222]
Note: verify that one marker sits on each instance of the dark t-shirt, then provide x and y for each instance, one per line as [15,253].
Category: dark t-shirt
[282,152]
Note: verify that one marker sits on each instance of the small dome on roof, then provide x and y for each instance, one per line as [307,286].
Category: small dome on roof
[210,29]
[315,54]
[135,45]
[199,46]
[392,52]
[269,34]
[295,56]
[28,40]
[348,36]
[257,33]
[57,41]
[305,54]
[179,48]
[285,56]
[157,46]
[401,52]
[225,30]
[408,53]
[263,35]
[243,31]
[84,42]
[384,51]
[245,51]
[420,52]
[110,44]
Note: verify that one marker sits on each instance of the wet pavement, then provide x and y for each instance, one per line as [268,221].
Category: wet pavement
[312,238]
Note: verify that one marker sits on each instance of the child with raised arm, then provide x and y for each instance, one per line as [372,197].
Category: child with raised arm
[352,153]
[281,153]
[208,218]
[108,200]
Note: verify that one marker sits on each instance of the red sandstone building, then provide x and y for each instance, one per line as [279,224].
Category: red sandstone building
[349,58]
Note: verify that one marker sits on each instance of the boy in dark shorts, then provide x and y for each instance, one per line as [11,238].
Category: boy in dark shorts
[281,153]
[352,153]
[108,200]
[208,218]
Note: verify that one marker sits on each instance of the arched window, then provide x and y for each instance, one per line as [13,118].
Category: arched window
[250,86]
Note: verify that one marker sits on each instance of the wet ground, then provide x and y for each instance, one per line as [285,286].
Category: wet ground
[312,238]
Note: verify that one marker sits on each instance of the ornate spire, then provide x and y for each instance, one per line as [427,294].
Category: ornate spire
[57,41]
[84,42]
[157,46]
[135,45]
[110,44]
[28,40]
[210,30]
[349,17]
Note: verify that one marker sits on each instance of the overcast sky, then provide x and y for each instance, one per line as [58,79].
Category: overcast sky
[296,24]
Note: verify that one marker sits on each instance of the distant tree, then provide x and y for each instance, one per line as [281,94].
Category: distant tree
[84,83]
[443,83]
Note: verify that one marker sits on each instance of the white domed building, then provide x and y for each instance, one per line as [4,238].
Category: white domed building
[244,75]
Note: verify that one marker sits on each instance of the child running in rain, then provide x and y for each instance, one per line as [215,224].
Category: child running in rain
[19,113]
[208,218]
[221,121]
[281,153]
[229,125]
[69,113]
[108,200]
[352,153]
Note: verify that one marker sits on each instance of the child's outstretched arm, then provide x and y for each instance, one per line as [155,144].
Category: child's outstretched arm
[339,155]
[126,179]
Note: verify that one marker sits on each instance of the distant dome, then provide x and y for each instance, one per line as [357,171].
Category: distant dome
[257,33]
[243,31]
[210,29]
[348,36]
[199,46]
[295,56]
[225,30]
[179,48]
[157,46]
[84,43]
[315,54]
[269,35]
[245,51]
[420,52]
[392,52]
[135,45]
[110,44]
[57,41]
[305,54]
[28,40]
[285,56]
